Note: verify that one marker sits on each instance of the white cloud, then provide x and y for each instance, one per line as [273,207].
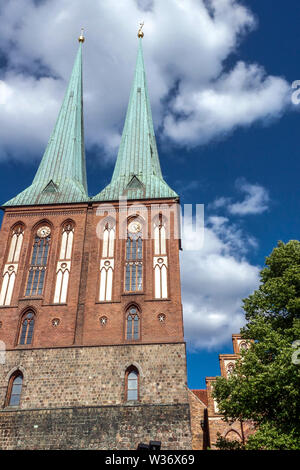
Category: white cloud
[238,98]
[185,44]
[215,279]
[256,200]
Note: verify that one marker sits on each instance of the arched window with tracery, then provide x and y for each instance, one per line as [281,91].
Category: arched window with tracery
[12,264]
[132,383]
[38,263]
[160,259]
[64,264]
[244,346]
[14,390]
[27,328]
[132,323]
[134,257]
[230,368]
[107,261]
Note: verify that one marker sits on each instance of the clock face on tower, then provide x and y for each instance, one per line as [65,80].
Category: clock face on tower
[44,231]
[135,227]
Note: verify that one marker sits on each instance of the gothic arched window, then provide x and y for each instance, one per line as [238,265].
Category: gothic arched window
[14,389]
[230,368]
[11,266]
[38,263]
[27,328]
[244,346]
[132,383]
[64,264]
[133,323]
[134,257]
[107,261]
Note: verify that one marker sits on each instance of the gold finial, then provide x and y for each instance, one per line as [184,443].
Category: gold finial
[140,32]
[81,37]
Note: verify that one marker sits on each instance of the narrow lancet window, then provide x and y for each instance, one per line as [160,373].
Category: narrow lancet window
[64,264]
[14,389]
[133,324]
[27,328]
[134,258]
[38,264]
[132,384]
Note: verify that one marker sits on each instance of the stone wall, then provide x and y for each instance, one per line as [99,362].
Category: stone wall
[109,427]
[75,398]
[93,376]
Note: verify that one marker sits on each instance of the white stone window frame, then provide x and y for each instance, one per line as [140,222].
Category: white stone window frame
[11,267]
[63,267]
[107,264]
[160,266]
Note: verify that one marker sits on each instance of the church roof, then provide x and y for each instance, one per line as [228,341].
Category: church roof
[61,176]
[137,173]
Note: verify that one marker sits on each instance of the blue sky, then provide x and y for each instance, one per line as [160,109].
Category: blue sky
[229,146]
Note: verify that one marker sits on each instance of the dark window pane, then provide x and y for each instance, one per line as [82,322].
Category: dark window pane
[45,255]
[128,246]
[30,332]
[41,282]
[132,395]
[40,252]
[35,282]
[127,280]
[14,400]
[18,380]
[29,283]
[34,252]
[140,248]
[23,333]
[136,327]
[133,255]
[129,327]
[140,277]
[133,277]
[16,391]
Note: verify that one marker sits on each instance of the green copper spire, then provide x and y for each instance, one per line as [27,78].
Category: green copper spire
[61,176]
[137,173]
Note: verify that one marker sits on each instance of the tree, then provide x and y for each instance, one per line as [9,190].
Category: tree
[265,385]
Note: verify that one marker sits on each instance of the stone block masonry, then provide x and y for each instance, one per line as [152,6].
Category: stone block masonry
[75,398]
[101,428]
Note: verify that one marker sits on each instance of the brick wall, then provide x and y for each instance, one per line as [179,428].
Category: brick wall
[80,316]
[198,422]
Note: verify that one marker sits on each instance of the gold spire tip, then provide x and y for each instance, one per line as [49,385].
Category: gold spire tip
[140,31]
[81,37]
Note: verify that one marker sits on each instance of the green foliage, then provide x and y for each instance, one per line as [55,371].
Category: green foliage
[225,444]
[265,386]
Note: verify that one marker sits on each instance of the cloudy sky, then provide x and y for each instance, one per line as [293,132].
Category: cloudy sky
[219,75]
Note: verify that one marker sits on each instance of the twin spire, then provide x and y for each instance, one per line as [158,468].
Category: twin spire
[61,176]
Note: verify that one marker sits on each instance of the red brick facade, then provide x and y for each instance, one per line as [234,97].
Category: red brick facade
[204,409]
[80,315]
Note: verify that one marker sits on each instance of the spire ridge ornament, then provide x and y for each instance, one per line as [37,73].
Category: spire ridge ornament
[81,37]
[140,31]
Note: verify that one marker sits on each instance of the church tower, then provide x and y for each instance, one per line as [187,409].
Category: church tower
[90,301]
